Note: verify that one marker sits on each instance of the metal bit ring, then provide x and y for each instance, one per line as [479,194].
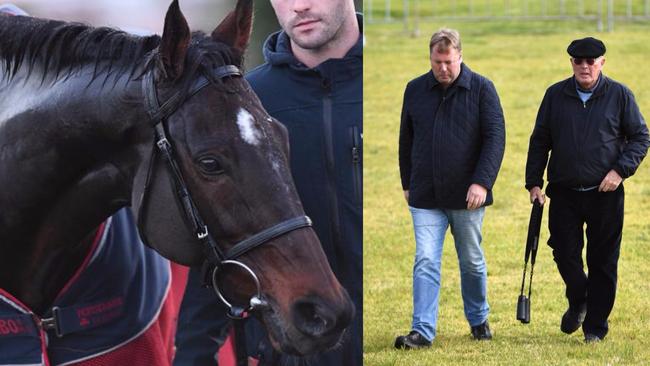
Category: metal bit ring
[254,301]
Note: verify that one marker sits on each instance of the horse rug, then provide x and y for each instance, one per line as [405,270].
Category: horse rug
[119,307]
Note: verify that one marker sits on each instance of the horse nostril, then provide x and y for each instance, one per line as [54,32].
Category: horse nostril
[313,318]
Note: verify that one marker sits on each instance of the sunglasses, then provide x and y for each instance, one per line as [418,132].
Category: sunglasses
[579,61]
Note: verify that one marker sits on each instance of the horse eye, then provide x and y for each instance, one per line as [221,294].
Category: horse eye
[210,165]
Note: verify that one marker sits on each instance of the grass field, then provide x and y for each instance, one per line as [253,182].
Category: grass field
[522,60]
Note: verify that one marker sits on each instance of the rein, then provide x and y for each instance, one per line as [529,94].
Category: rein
[215,259]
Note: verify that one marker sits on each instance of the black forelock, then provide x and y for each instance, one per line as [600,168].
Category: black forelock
[205,54]
[61,48]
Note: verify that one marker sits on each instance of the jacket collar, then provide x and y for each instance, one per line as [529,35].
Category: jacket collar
[570,86]
[464,80]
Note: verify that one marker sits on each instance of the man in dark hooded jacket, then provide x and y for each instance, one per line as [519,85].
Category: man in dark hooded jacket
[312,83]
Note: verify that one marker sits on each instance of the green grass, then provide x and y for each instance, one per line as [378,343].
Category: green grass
[522,60]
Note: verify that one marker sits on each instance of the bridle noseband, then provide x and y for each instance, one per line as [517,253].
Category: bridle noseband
[216,260]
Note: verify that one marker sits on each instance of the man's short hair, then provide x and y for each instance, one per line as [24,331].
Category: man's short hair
[444,39]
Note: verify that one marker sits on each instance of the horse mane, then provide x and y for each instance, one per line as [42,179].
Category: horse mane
[61,48]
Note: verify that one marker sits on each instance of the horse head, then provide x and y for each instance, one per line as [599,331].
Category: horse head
[217,175]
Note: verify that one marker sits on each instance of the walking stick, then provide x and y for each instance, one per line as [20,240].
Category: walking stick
[534,226]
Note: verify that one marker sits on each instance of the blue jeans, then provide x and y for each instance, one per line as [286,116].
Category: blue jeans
[430,226]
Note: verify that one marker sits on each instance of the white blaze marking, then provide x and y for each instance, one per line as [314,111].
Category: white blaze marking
[247,128]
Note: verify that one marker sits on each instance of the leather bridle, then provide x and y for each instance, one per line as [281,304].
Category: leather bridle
[216,260]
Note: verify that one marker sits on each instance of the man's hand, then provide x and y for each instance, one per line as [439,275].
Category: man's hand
[537,194]
[406,195]
[475,196]
[610,182]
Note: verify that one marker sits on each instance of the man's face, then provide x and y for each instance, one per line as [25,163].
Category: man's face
[445,65]
[586,70]
[311,24]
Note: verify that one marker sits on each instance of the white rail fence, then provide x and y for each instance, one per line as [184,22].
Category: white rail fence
[603,13]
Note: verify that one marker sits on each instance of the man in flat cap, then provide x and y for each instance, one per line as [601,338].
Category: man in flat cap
[597,137]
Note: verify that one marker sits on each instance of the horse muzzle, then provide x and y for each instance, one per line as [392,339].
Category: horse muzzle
[316,325]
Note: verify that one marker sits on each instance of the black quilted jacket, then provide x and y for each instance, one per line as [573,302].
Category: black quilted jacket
[586,140]
[450,139]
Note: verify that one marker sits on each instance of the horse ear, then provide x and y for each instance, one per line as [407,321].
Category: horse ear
[235,29]
[175,41]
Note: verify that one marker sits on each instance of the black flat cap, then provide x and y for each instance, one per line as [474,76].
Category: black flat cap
[586,48]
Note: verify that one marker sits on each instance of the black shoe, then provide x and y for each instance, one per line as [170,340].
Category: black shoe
[592,338]
[572,319]
[482,332]
[413,340]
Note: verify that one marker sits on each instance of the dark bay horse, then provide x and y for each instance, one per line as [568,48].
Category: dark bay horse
[95,119]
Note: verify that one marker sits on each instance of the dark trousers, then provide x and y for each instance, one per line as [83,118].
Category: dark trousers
[602,213]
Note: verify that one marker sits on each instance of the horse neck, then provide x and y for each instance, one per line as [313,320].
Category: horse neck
[68,155]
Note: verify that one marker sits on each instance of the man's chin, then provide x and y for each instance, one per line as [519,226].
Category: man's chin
[443,79]
[314,39]
[311,43]
[584,81]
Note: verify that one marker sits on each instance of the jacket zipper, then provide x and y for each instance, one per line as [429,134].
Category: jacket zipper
[356,164]
[438,163]
[331,170]
[579,146]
